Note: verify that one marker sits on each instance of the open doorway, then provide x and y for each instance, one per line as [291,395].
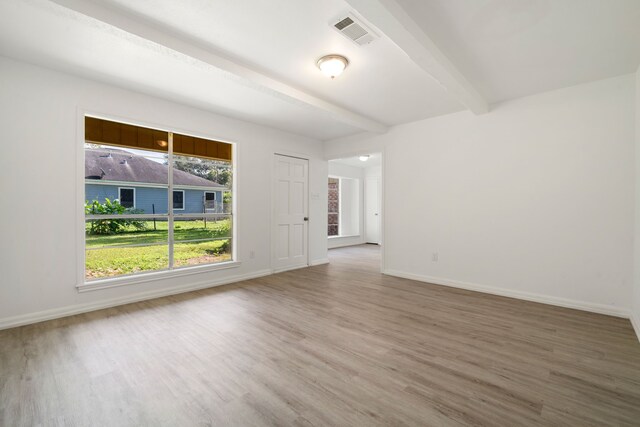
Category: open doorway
[354,188]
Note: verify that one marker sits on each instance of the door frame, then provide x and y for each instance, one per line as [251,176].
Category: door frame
[272,212]
[383,152]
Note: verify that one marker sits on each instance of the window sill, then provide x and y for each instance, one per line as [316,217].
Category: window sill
[95,285]
[343,237]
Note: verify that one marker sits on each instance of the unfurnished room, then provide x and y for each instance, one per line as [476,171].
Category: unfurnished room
[320,213]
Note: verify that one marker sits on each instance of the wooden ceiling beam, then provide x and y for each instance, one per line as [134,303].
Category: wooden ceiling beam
[234,70]
[393,21]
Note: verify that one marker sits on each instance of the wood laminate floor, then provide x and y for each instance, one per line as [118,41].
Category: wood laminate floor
[336,344]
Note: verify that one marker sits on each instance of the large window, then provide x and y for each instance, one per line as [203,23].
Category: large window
[154,200]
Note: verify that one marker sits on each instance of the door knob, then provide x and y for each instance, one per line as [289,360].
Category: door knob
[306,218]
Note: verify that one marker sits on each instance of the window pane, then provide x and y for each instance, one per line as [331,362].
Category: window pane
[111,262]
[123,180]
[137,246]
[205,252]
[334,206]
[202,240]
[206,184]
[207,187]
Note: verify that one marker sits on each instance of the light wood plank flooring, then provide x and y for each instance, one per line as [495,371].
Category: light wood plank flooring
[335,344]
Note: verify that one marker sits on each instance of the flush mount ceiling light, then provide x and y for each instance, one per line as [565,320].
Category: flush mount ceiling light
[364,158]
[332,65]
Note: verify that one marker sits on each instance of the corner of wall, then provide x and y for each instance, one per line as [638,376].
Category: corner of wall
[635,304]
[635,322]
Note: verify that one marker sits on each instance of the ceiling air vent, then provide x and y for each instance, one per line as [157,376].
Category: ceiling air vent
[355,31]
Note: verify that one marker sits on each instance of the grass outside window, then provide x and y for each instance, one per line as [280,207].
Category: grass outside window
[114,255]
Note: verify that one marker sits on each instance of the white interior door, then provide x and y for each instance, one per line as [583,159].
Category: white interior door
[291,213]
[372,209]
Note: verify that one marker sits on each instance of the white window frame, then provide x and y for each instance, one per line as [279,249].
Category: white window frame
[184,200]
[159,275]
[134,196]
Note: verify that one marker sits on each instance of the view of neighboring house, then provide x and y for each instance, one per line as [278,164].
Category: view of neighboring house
[141,183]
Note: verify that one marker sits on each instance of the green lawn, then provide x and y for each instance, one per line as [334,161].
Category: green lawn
[113,261]
[183,230]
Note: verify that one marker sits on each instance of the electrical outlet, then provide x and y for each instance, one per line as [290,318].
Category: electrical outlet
[434,257]
[252,254]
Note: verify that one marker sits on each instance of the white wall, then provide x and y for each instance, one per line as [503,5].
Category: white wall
[41,196]
[534,199]
[345,171]
[351,205]
[636,282]
[373,172]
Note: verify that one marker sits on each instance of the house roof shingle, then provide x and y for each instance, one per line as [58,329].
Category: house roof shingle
[118,165]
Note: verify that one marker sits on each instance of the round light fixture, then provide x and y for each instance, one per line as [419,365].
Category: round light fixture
[332,65]
[364,158]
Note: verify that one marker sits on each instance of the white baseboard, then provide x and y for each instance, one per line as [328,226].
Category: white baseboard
[337,243]
[544,299]
[285,269]
[12,322]
[635,322]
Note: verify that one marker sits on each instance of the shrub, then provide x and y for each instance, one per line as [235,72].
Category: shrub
[111,226]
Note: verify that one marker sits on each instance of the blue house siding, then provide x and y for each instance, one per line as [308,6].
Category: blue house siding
[194,201]
[146,197]
[100,192]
